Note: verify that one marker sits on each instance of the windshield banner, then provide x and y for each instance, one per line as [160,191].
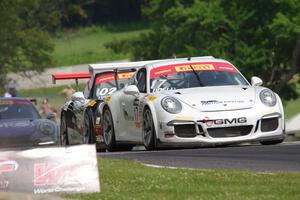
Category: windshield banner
[176,68]
[111,77]
[50,170]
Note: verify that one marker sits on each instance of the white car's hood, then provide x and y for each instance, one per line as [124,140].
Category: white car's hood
[216,98]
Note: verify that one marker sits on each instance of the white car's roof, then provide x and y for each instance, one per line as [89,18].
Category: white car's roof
[185,60]
[101,67]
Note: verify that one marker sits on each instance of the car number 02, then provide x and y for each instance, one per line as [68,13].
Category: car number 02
[107,91]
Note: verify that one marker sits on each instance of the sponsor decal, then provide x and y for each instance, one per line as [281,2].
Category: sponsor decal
[125,75]
[51,177]
[215,102]
[107,99]
[158,85]
[198,67]
[105,78]
[46,174]
[92,103]
[226,121]
[8,166]
[161,71]
[16,124]
[6,102]
[111,77]
[163,89]
[48,170]
[15,102]
[203,66]
[152,98]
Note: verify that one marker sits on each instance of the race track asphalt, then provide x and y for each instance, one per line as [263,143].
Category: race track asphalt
[273,158]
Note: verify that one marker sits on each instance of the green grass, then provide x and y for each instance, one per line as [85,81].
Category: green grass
[87,45]
[121,179]
[292,108]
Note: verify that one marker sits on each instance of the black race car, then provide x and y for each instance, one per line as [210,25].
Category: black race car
[80,116]
[22,126]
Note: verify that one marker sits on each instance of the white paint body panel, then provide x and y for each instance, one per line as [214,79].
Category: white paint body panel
[199,103]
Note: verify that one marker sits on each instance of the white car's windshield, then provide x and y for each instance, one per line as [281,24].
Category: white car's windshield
[174,77]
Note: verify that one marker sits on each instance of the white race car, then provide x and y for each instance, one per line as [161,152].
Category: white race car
[191,102]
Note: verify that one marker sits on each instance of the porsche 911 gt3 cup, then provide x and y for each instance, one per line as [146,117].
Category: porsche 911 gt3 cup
[21,125]
[192,102]
[81,114]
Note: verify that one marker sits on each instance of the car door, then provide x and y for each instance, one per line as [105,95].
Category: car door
[130,106]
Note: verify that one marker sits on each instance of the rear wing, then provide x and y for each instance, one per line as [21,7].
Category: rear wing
[115,67]
[97,68]
[75,76]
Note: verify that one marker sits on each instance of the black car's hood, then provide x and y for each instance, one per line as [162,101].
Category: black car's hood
[25,132]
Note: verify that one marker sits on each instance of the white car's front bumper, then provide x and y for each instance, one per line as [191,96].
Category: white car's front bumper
[222,127]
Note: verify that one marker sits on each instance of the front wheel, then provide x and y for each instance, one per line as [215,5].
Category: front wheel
[109,131]
[149,135]
[272,142]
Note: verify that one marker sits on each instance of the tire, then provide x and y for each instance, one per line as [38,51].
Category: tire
[88,134]
[64,139]
[109,131]
[149,133]
[272,142]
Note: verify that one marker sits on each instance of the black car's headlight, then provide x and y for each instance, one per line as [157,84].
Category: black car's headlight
[268,97]
[171,105]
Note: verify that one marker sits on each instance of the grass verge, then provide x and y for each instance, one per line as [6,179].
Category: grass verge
[87,45]
[121,179]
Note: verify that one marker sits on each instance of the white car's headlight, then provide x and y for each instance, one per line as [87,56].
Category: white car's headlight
[171,105]
[268,97]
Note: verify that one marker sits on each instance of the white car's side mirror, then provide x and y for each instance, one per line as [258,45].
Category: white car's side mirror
[131,90]
[78,96]
[256,81]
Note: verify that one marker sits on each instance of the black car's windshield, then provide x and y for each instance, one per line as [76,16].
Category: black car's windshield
[17,109]
[174,77]
[106,85]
